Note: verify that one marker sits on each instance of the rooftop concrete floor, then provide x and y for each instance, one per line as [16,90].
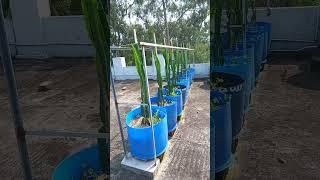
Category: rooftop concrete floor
[280,140]
[71,104]
[188,156]
[281,137]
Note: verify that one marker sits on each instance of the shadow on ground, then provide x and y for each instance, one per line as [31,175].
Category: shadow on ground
[306,80]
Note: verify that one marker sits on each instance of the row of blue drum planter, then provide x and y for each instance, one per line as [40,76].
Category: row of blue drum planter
[140,139]
[240,73]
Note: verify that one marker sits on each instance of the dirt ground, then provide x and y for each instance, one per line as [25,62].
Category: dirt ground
[281,138]
[71,104]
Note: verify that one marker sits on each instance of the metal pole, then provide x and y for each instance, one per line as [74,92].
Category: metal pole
[146,44]
[118,114]
[149,104]
[14,101]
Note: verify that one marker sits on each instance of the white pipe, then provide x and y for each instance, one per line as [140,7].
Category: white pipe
[163,46]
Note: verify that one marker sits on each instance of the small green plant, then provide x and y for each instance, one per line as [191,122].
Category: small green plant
[174,68]
[145,108]
[168,69]
[178,62]
[253,10]
[95,14]
[6,8]
[185,61]
[159,79]
[218,59]
[144,89]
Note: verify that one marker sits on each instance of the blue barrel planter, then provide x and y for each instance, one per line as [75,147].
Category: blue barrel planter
[171,112]
[75,165]
[140,139]
[234,64]
[178,99]
[233,86]
[220,114]
[184,81]
[189,77]
[192,72]
[259,39]
[253,60]
[248,73]
[266,27]
[255,28]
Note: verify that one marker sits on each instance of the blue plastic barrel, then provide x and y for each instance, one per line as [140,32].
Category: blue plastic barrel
[140,139]
[248,74]
[171,112]
[220,114]
[184,81]
[234,87]
[255,28]
[258,37]
[192,72]
[267,27]
[75,165]
[182,86]
[177,98]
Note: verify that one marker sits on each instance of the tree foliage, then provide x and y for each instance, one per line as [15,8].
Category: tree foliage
[187,22]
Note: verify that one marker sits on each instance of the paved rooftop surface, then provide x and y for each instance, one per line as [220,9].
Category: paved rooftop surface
[188,155]
[71,104]
[281,138]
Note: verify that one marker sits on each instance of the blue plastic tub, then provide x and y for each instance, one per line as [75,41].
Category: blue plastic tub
[182,86]
[259,39]
[177,98]
[140,139]
[192,72]
[171,112]
[75,165]
[234,87]
[252,57]
[235,64]
[255,28]
[267,27]
[220,115]
[248,73]
[184,81]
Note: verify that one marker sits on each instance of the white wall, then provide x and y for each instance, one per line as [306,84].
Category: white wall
[291,26]
[10,35]
[124,72]
[40,35]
